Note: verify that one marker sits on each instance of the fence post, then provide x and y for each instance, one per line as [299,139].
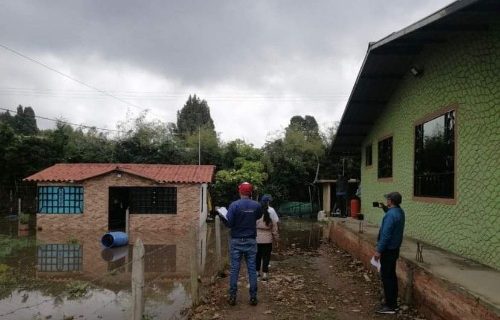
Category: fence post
[19,207]
[137,281]
[218,246]
[127,222]
[194,267]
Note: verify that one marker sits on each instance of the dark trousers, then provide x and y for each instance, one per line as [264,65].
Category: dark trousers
[341,204]
[389,279]
[263,256]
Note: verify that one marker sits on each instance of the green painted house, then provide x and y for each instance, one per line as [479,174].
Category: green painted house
[424,116]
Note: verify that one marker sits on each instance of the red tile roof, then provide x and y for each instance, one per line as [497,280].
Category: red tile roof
[161,173]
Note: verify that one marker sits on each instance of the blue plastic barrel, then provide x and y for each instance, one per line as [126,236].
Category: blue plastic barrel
[114,239]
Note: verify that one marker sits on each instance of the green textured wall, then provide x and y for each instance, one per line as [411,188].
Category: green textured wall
[465,72]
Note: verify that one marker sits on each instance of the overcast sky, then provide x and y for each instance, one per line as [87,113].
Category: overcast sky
[257,63]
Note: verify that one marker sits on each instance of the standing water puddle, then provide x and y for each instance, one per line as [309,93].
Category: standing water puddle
[69,275]
[53,275]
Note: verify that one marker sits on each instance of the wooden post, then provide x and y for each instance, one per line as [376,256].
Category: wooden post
[137,281]
[194,267]
[19,207]
[127,222]
[218,244]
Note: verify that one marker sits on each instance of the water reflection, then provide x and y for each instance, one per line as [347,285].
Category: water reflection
[59,257]
[44,270]
[300,233]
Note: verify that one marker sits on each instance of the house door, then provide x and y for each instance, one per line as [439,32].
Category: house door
[118,204]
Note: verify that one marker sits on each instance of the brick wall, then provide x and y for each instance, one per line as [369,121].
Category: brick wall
[95,215]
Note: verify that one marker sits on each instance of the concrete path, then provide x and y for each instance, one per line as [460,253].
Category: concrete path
[476,279]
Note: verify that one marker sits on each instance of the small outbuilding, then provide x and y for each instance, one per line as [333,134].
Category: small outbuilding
[98,196]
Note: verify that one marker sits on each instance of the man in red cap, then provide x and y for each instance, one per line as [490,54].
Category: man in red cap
[241,218]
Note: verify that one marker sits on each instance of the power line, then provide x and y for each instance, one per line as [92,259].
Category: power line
[68,123]
[153,95]
[71,78]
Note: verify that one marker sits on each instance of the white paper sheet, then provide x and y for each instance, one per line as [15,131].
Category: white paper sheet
[223,212]
[375,263]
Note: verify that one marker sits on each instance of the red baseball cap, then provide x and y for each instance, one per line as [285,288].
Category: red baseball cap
[245,189]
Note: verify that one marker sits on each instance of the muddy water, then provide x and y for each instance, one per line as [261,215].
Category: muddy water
[300,233]
[47,275]
[50,275]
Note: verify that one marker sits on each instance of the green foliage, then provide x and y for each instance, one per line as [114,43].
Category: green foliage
[227,181]
[72,240]
[193,115]
[209,147]
[149,142]
[286,167]
[77,289]
[24,218]
[292,161]
[9,245]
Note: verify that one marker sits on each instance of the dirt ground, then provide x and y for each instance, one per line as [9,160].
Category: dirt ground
[322,283]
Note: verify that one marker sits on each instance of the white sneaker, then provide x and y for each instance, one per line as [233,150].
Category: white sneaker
[264,276]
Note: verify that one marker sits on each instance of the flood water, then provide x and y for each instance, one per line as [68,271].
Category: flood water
[50,275]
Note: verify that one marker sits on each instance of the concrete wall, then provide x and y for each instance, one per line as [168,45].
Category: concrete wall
[435,298]
[462,72]
[96,197]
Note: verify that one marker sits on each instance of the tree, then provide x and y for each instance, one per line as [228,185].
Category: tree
[7,119]
[89,146]
[241,162]
[226,181]
[237,149]
[147,142]
[25,121]
[194,115]
[292,161]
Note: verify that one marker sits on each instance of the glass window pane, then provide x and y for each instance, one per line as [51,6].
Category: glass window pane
[434,167]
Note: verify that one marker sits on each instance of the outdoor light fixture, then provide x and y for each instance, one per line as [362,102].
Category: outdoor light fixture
[118,175]
[416,71]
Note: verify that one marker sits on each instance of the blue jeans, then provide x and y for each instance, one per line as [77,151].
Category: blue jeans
[243,248]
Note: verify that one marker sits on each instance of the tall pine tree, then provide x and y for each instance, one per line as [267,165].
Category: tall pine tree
[194,115]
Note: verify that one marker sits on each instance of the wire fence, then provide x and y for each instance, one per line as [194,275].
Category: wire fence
[10,195]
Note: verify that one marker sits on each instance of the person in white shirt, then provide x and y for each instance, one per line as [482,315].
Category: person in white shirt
[267,233]
[266,200]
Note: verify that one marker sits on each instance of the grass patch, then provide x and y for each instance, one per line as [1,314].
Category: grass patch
[77,289]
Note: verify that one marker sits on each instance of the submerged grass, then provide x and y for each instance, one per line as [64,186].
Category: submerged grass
[77,289]
[8,245]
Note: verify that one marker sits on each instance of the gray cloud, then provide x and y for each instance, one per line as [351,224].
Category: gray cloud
[276,49]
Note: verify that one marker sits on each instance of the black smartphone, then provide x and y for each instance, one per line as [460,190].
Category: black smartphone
[375,204]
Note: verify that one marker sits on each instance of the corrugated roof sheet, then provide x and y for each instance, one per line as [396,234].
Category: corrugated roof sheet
[161,173]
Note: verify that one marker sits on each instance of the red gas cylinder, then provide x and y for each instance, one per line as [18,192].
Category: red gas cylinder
[355,206]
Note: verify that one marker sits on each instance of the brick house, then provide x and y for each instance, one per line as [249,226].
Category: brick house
[424,117]
[97,195]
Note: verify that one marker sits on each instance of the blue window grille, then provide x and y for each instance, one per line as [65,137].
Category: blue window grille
[59,199]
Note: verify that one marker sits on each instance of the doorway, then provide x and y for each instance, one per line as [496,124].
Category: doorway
[118,204]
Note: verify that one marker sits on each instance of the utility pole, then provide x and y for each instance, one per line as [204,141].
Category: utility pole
[199,139]
[199,145]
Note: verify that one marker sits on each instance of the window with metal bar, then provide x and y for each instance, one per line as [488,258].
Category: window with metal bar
[60,199]
[368,155]
[153,200]
[385,158]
